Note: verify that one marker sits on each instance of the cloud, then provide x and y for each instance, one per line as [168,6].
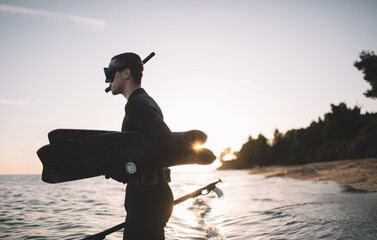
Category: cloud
[95,23]
[14,102]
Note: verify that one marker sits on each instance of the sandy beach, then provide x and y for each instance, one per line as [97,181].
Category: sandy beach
[360,174]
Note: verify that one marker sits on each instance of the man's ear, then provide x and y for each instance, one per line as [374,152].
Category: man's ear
[126,73]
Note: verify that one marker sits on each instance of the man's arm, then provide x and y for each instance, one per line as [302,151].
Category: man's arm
[143,113]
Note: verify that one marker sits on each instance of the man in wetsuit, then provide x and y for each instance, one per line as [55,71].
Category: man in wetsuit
[149,200]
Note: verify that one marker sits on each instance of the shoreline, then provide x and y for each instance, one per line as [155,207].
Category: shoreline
[360,173]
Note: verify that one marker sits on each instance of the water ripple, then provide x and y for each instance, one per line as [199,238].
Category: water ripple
[253,208]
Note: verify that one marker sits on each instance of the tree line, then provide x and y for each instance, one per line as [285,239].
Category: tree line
[343,133]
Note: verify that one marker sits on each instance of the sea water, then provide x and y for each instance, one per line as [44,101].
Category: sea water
[253,207]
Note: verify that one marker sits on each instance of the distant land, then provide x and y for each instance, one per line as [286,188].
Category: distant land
[359,174]
[343,133]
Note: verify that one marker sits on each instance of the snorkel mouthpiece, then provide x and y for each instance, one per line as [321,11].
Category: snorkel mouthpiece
[108,89]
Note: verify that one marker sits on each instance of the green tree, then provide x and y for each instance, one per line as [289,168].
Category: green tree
[255,152]
[368,65]
[342,123]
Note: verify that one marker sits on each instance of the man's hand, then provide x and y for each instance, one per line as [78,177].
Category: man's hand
[117,172]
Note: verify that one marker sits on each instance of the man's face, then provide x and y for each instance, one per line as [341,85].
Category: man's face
[118,83]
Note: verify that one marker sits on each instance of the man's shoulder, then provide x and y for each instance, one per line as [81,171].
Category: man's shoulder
[139,98]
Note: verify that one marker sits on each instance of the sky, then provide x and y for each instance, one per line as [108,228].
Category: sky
[233,69]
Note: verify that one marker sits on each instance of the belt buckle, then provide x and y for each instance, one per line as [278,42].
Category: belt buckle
[166,173]
[149,178]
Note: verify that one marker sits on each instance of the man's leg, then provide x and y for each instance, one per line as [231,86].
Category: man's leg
[148,211]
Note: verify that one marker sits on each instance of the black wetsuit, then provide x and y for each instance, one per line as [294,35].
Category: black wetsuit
[148,207]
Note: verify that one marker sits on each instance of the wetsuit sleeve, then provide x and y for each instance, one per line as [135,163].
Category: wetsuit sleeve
[146,117]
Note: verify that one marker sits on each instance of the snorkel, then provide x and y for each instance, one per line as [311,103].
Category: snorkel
[110,71]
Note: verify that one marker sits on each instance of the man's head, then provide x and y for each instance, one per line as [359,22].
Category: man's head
[122,61]
[124,66]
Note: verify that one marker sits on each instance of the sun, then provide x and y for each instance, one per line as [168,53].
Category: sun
[197,146]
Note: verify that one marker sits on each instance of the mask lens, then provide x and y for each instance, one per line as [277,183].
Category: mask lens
[110,74]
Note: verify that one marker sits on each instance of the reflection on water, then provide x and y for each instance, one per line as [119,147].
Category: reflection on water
[253,208]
